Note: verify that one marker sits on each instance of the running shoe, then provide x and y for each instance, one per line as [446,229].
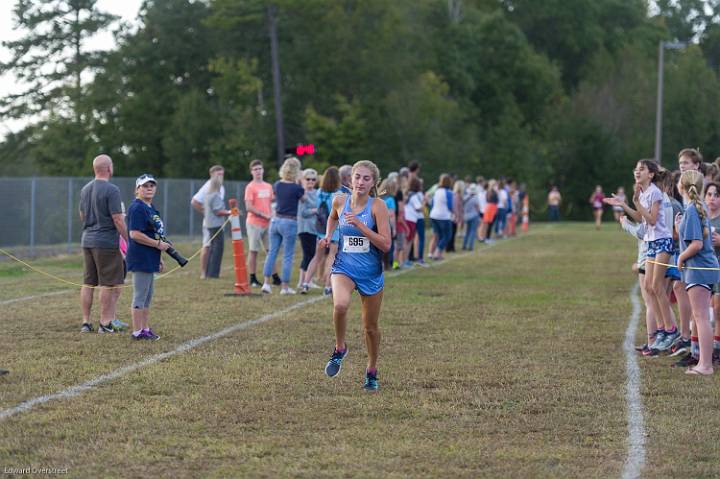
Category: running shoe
[286,291]
[371,382]
[314,285]
[254,282]
[3,372]
[650,352]
[667,340]
[659,337]
[716,357]
[642,349]
[327,292]
[266,288]
[86,328]
[333,367]
[139,336]
[119,325]
[276,281]
[304,289]
[687,361]
[149,334]
[106,329]
[681,345]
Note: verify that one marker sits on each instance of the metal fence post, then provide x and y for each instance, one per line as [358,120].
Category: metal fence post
[32,217]
[192,216]
[69,216]
[166,210]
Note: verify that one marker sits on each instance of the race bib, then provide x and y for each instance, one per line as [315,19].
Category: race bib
[356,244]
[263,194]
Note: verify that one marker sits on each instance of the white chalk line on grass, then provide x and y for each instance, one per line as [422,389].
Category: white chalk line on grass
[636,425]
[191,344]
[36,296]
[184,347]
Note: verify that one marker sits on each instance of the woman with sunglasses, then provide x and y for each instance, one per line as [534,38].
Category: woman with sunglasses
[306,219]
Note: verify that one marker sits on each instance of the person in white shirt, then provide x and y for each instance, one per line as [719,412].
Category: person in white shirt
[441,215]
[198,202]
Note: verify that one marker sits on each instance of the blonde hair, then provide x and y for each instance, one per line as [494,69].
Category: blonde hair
[389,186]
[692,182]
[309,172]
[375,172]
[290,169]
[459,187]
[216,182]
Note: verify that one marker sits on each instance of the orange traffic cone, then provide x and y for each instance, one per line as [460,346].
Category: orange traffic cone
[525,214]
[242,286]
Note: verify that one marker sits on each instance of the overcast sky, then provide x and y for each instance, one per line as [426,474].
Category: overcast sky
[127,9]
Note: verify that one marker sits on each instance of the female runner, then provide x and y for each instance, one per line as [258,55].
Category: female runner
[364,228]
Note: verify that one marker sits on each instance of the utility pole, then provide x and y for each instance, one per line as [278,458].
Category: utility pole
[661,78]
[279,124]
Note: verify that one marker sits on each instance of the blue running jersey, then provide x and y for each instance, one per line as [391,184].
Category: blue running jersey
[357,258]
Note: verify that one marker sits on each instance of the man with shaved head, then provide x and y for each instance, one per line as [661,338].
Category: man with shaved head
[103,223]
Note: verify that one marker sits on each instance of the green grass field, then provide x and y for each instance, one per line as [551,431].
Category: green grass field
[506,362]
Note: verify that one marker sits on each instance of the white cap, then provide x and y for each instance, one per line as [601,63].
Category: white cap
[142,179]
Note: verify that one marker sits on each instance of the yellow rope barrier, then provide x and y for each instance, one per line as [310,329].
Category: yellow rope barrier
[62,280]
[684,267]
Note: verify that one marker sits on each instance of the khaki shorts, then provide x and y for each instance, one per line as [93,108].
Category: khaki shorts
[103,267]
[257,237]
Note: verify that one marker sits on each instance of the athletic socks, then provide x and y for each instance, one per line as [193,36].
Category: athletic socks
[372,371]
[672,331]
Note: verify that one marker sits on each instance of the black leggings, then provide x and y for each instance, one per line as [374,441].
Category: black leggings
[308,241]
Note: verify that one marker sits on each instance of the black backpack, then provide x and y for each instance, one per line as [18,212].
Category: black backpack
[323,214]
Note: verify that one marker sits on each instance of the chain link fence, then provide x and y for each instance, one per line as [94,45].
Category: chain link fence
[41,214]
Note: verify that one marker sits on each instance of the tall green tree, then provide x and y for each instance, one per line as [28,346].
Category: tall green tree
[53,63]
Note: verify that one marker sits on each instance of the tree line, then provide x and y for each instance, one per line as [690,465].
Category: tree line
[548,92]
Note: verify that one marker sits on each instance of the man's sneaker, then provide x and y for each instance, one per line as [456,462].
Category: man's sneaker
[276,281]
[333,367]
[86,328]
[286,291]
[119,325]
[681,345]
[304,289]
[254,282]
[149,334]
[371,382]
[687,361]
[106,329]
[266,288]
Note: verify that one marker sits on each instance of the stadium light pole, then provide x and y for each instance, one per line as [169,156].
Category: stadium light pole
[661,74]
